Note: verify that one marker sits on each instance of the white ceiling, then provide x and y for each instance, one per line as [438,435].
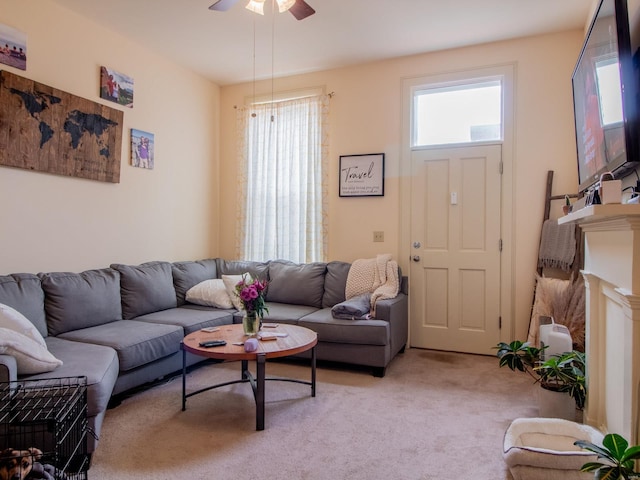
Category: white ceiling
[220,45]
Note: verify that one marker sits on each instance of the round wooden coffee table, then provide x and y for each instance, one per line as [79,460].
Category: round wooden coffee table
[293,340]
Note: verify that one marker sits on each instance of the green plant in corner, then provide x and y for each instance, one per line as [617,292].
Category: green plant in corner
[562,373]
[620,458]
[565,373]
[519,356]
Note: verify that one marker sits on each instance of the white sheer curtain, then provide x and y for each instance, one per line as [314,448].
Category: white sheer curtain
[283,180]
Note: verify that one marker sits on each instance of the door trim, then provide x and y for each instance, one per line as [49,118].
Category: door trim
[508,72]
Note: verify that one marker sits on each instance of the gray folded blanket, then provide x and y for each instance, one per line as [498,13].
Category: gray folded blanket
[353,309]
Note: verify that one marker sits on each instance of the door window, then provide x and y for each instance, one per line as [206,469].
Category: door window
[457,114]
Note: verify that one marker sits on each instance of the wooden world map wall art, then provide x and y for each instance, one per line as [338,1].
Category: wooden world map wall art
[48,130]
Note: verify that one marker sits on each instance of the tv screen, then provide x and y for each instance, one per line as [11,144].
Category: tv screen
[605,96]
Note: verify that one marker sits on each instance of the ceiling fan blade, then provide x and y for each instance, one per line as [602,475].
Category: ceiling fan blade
[301,10]
[223,5]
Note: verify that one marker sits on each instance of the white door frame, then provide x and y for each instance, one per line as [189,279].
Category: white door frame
[508,73]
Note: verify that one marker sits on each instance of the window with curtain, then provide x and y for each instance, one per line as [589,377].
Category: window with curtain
[283,180]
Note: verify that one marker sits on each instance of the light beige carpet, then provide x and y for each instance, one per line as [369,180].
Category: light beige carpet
[433,416]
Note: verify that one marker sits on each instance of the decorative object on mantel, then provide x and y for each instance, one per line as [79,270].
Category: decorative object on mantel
[13,47]
[116,87]
[48,130]
[362,175]
[142,149]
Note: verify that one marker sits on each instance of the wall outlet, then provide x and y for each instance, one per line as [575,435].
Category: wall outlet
[378,236]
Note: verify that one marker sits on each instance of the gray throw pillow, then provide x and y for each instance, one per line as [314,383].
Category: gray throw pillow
[297,284]
[335,283]
[188,274]
[23,292]
[80,300]
[146,288]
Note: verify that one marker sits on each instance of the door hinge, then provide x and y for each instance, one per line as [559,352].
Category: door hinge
[500,245]
[501,167]
[499,323]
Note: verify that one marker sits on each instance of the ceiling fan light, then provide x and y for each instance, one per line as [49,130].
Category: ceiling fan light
[256,6]
[284,5]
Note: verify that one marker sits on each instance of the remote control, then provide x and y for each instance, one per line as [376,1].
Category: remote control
[213,343]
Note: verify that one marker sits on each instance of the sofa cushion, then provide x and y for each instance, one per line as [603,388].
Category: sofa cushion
[297,284]
[23,292]
[361,332]
[146,288]
[259,270]
[101,371]
[188,318]
[210,293]
[80,300]
[13,320]
[137,343]
[188,274]
[31,357]
[335,283]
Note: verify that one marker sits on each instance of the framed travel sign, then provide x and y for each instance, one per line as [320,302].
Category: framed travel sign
[362,175]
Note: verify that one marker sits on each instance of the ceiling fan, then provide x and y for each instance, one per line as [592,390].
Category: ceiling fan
[298,8]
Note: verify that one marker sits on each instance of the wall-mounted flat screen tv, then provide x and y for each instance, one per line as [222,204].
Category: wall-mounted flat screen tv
[605,97]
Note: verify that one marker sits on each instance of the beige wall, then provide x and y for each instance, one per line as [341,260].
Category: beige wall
[366,117]
[49,222]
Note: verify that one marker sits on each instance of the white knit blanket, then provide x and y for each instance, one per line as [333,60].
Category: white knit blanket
[377,276]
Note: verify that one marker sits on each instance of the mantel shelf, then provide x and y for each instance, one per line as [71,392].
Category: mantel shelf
[601,213]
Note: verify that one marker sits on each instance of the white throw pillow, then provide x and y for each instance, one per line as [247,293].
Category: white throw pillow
[31,357]
[230,282]
[211,293]
[13,320]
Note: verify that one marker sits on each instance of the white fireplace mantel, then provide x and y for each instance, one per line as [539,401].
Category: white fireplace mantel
[612,279]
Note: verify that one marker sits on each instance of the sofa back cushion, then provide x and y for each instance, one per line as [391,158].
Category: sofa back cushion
[80,300]
[297,284]
[146,288]
[258,270]
[23,292]
[335,283]
[188,274]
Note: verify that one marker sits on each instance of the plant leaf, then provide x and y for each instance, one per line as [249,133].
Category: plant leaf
[616,444]
[632,453]
[598,450]
[591,466]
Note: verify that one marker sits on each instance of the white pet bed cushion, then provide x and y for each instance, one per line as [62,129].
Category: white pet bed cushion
[543,449]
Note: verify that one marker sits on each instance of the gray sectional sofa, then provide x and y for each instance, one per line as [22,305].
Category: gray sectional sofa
[121,326]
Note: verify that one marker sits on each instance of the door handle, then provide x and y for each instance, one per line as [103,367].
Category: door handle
[416,258]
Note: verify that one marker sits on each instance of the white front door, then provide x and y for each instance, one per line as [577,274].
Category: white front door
[455,248]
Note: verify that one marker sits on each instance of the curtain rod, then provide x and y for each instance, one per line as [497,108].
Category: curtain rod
[330,95]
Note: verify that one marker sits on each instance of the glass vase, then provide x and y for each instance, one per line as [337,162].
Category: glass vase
[251,324]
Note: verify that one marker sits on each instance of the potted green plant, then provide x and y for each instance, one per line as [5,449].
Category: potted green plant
[620,458]
[559,373]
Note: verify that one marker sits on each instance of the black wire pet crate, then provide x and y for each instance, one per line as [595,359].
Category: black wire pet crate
[51,416]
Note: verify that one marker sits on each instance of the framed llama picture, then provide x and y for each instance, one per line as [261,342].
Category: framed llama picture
[142,149]
[116,87]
